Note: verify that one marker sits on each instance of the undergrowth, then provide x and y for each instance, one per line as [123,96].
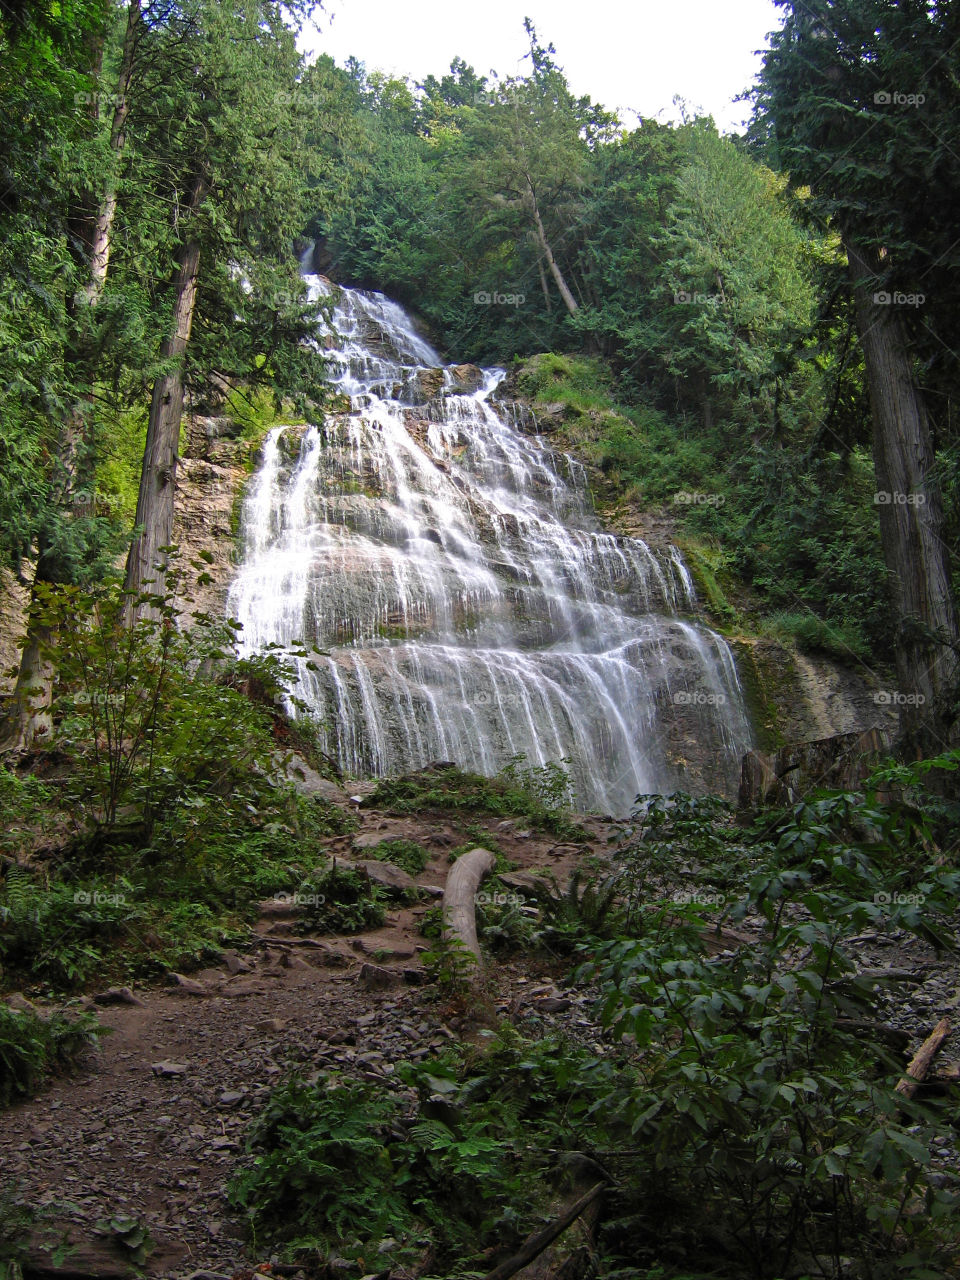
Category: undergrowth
[733,1099]
[33,1047]
[539,793]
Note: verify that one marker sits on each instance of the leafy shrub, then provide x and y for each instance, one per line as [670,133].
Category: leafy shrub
[24,802]
[341,900]
[840,639]
[450,964]
[448,1175]
[33,1048]
[408,855]
[537,793]
[766,1130]
[58,934]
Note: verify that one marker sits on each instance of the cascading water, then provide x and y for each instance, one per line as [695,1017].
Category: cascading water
[464,601]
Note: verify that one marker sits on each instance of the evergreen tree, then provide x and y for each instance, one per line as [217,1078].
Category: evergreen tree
[859,102]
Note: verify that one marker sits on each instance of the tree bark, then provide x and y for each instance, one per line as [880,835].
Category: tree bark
[103,225]
[569,300]
[911,519]
[33,695]
[459,899]
[920,1063]
[146,563]
[544,286]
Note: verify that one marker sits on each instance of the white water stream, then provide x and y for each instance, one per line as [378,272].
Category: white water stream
[466,603]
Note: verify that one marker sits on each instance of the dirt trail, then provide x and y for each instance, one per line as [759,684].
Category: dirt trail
[151,1127]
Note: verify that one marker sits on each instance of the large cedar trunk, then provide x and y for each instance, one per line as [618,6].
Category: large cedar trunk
[103,224]
[146,563]
[32,719]
[911,520]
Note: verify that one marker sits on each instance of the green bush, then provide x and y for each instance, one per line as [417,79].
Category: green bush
[173,816]
[539,794]
[408,855]
[766,1130]
[341,899]
[441,1160]
[843,640]
[33,1048]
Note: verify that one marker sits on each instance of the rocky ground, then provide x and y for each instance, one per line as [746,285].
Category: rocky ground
[152,1127]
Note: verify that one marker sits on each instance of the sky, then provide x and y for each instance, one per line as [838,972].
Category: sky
[632,56]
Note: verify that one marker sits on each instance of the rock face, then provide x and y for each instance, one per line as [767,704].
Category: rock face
[798,697]
[210,480]
[841,761]
[464,599]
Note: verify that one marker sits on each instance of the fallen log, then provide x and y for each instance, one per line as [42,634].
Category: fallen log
[536,1244]
[459,898]
[894,1037]
[920,1064]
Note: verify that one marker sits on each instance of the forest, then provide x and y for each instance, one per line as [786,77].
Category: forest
[743,349]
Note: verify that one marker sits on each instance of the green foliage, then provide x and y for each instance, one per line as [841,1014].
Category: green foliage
[32,1048]
[340,899]
[22,800]
[586,911]
[324,1167]
[129,1234]
[443,1157]
[539,794]
[759,1117]
[450,965]
[408,855]
[808,548]
[58,934]
[147,723]
[174,817]
[841,640]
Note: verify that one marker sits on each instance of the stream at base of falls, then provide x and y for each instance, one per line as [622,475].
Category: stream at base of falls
[464,599]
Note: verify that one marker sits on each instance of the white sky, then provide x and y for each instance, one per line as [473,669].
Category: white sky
[628,55]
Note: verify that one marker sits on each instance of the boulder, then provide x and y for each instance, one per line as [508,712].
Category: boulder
[841,761]
[389,877]
[310,783]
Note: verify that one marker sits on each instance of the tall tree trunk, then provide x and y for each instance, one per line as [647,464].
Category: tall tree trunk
[146,564]
[544,286]
[911,519]
[31,718]
[569,300]
[103,226]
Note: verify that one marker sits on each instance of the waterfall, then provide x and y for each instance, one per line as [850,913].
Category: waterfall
[463,601]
